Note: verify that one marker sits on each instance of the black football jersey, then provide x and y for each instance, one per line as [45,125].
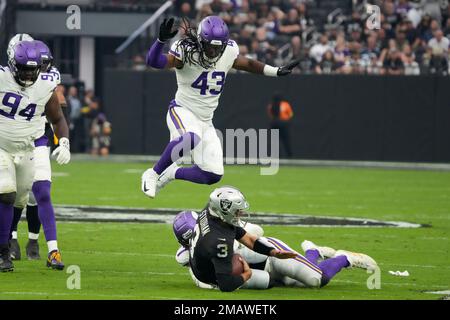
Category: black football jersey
[211,249]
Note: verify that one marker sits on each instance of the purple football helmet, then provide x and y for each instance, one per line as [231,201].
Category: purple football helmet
[183,226]
[46,55]
[213,36]
[26,63]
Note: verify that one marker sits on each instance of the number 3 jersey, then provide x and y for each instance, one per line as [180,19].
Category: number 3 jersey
[22,111]
[199,89]
[211,247]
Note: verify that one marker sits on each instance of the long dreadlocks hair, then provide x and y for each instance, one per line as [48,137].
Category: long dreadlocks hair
[193,52]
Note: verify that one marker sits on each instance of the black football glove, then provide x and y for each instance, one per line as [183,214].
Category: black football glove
[287,69]
[165,30]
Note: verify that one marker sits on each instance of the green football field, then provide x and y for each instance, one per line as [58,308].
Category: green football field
[136,260]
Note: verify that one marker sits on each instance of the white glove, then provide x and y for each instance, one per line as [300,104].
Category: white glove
[62,153]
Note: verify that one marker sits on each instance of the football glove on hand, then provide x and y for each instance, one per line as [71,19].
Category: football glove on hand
[165,30]
[287,69]
[62,153]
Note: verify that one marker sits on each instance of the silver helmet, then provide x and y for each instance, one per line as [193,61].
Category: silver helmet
[15,40]
[228,204]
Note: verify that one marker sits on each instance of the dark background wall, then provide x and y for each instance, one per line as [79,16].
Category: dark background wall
[335,117]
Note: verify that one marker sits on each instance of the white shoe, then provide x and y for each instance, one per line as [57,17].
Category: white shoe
[325,252]
[166,176]
[358,260]
[148,182]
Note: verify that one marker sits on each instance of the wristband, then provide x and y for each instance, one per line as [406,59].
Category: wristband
[262,248]
[270,71]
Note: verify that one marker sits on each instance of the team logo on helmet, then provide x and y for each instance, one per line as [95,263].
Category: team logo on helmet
[225,205]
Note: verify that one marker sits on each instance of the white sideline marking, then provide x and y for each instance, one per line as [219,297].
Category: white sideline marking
[439,292]
[414,265]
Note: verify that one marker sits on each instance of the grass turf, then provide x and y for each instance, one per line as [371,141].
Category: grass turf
[136,261]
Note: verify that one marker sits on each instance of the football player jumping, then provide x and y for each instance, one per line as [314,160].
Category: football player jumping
[202,59]
[39,206]
[27,98]
[265,271]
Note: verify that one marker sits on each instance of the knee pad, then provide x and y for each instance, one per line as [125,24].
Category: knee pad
[8,198]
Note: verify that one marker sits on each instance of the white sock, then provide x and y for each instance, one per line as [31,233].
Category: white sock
[33,236]
[52,245]
[14,235]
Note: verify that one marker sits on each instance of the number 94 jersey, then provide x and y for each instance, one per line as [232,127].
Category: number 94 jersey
[22,117]
[199,89]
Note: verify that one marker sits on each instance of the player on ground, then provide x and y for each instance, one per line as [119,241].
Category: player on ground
[301,271]
[211,246]
[42,181]
[202,59]
[27,98]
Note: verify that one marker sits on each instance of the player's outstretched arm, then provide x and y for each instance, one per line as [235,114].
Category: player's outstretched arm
[260,246]
[254,66]
[155,57]
[55,116]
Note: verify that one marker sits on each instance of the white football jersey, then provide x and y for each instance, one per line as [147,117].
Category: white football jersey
[199,89]
[22,111]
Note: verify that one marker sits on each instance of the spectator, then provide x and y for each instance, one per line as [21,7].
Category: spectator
[139,63]
[409,63]
[280,113]
[291,25]
[320,48]
[327,65]
[101,135]
[76,121]
[393,64]
[439,48]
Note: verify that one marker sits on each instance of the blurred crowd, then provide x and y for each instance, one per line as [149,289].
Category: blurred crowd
[90,131]
[412,38]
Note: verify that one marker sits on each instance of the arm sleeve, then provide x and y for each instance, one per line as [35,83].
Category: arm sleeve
[262,248]
[240,232]
[155,57]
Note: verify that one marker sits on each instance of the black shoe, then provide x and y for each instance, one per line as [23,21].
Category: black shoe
[14,250]
[5,260]
[33,250]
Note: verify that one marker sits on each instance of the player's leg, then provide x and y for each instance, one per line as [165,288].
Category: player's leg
[41,190]
[34,226]
[14,247]
[185,134]
[7,199]
[208,159]
[314,252]
[299,268]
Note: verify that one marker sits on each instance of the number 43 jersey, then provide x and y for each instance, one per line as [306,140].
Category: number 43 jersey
[199,89]
[22,117]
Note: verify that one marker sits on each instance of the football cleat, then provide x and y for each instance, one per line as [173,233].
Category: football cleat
[54,260]
[148,182]
[14,250]
[166,176]
[33,250]
[5,259]
[358,260]
[325,252]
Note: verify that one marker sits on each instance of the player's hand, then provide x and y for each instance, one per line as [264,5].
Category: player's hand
[62,153]
[247,271]
[165,30]
[282,254]
[287,69]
